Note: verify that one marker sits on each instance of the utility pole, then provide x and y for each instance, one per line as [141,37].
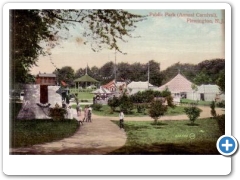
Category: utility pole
[148,74]
[115,67]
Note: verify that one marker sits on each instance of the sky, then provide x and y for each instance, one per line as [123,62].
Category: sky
[166,36]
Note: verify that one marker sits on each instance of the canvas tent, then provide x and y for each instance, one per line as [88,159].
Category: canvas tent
[206,92]
[136,86]
[179,86]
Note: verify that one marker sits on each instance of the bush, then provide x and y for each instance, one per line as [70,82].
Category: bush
[157,109]
[126,104]
[221,122]
[113,103]
[213,111]
[57,113]
[97,107]
[221,104]
[141,107]
[192,112]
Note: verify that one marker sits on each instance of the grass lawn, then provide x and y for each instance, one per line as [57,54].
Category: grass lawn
[170,137]
[29,132]
[83,95]
[105,111]
[25,133]
[202,103]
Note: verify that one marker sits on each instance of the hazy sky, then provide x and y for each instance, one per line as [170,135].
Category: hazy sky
[190,36]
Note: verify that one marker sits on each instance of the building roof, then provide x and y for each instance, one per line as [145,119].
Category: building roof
[85,78]
[139,85]
[101,90]
[208,88]
[46,75]
[178,84]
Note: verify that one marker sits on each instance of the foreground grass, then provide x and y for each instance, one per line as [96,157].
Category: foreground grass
[106,111]
[170,137]
[25,133]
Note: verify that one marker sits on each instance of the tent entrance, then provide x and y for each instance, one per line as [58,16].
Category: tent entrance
[43,94]
[202,97]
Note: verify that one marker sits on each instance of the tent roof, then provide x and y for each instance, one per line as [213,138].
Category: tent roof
[85,78]
[178,84]
[139,85]
[208,89]
[101,90]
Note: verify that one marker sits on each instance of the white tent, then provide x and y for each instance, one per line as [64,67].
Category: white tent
[207,92]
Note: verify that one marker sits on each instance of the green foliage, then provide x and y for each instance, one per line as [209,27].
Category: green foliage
[192,112]
[57,113]
[26,133]
[141,107]
[29,28]
[65,74]
[113,103]
[126,104]
[205,72]
[221,104]
[170,137]
[97,107]
[157,109]
[221,123]
[213,111]
[221,81]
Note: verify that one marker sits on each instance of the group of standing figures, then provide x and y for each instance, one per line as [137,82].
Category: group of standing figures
[87,113]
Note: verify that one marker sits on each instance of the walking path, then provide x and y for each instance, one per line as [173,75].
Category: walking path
[100,136]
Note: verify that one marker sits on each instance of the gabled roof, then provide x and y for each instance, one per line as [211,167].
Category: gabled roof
[85,78]
[101,90]
[46,75]
[178,84]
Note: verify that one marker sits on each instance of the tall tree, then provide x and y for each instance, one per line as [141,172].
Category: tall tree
[29,28]
[66,74]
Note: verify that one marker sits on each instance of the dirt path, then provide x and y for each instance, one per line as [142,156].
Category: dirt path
[99,137]
[204,114]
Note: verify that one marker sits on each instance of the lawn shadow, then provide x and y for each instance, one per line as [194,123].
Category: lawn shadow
[167,149]
[190,124]
[159,124]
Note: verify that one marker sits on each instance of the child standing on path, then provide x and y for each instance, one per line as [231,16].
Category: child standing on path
[121,119]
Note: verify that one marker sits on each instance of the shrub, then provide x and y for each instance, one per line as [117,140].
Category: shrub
[57,113]
[192,112]
[157,109]
[213,111]
[126,104]
[221,122]
[113,103]
[221,104]
[141,107]
[97,107]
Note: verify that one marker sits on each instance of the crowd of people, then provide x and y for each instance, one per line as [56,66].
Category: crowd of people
[87,114]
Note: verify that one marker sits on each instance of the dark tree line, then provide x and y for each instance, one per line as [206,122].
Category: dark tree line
[206,72]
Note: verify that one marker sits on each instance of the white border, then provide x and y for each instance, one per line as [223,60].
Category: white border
[115,165]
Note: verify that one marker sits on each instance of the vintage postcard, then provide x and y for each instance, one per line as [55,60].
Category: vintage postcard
[119,81]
